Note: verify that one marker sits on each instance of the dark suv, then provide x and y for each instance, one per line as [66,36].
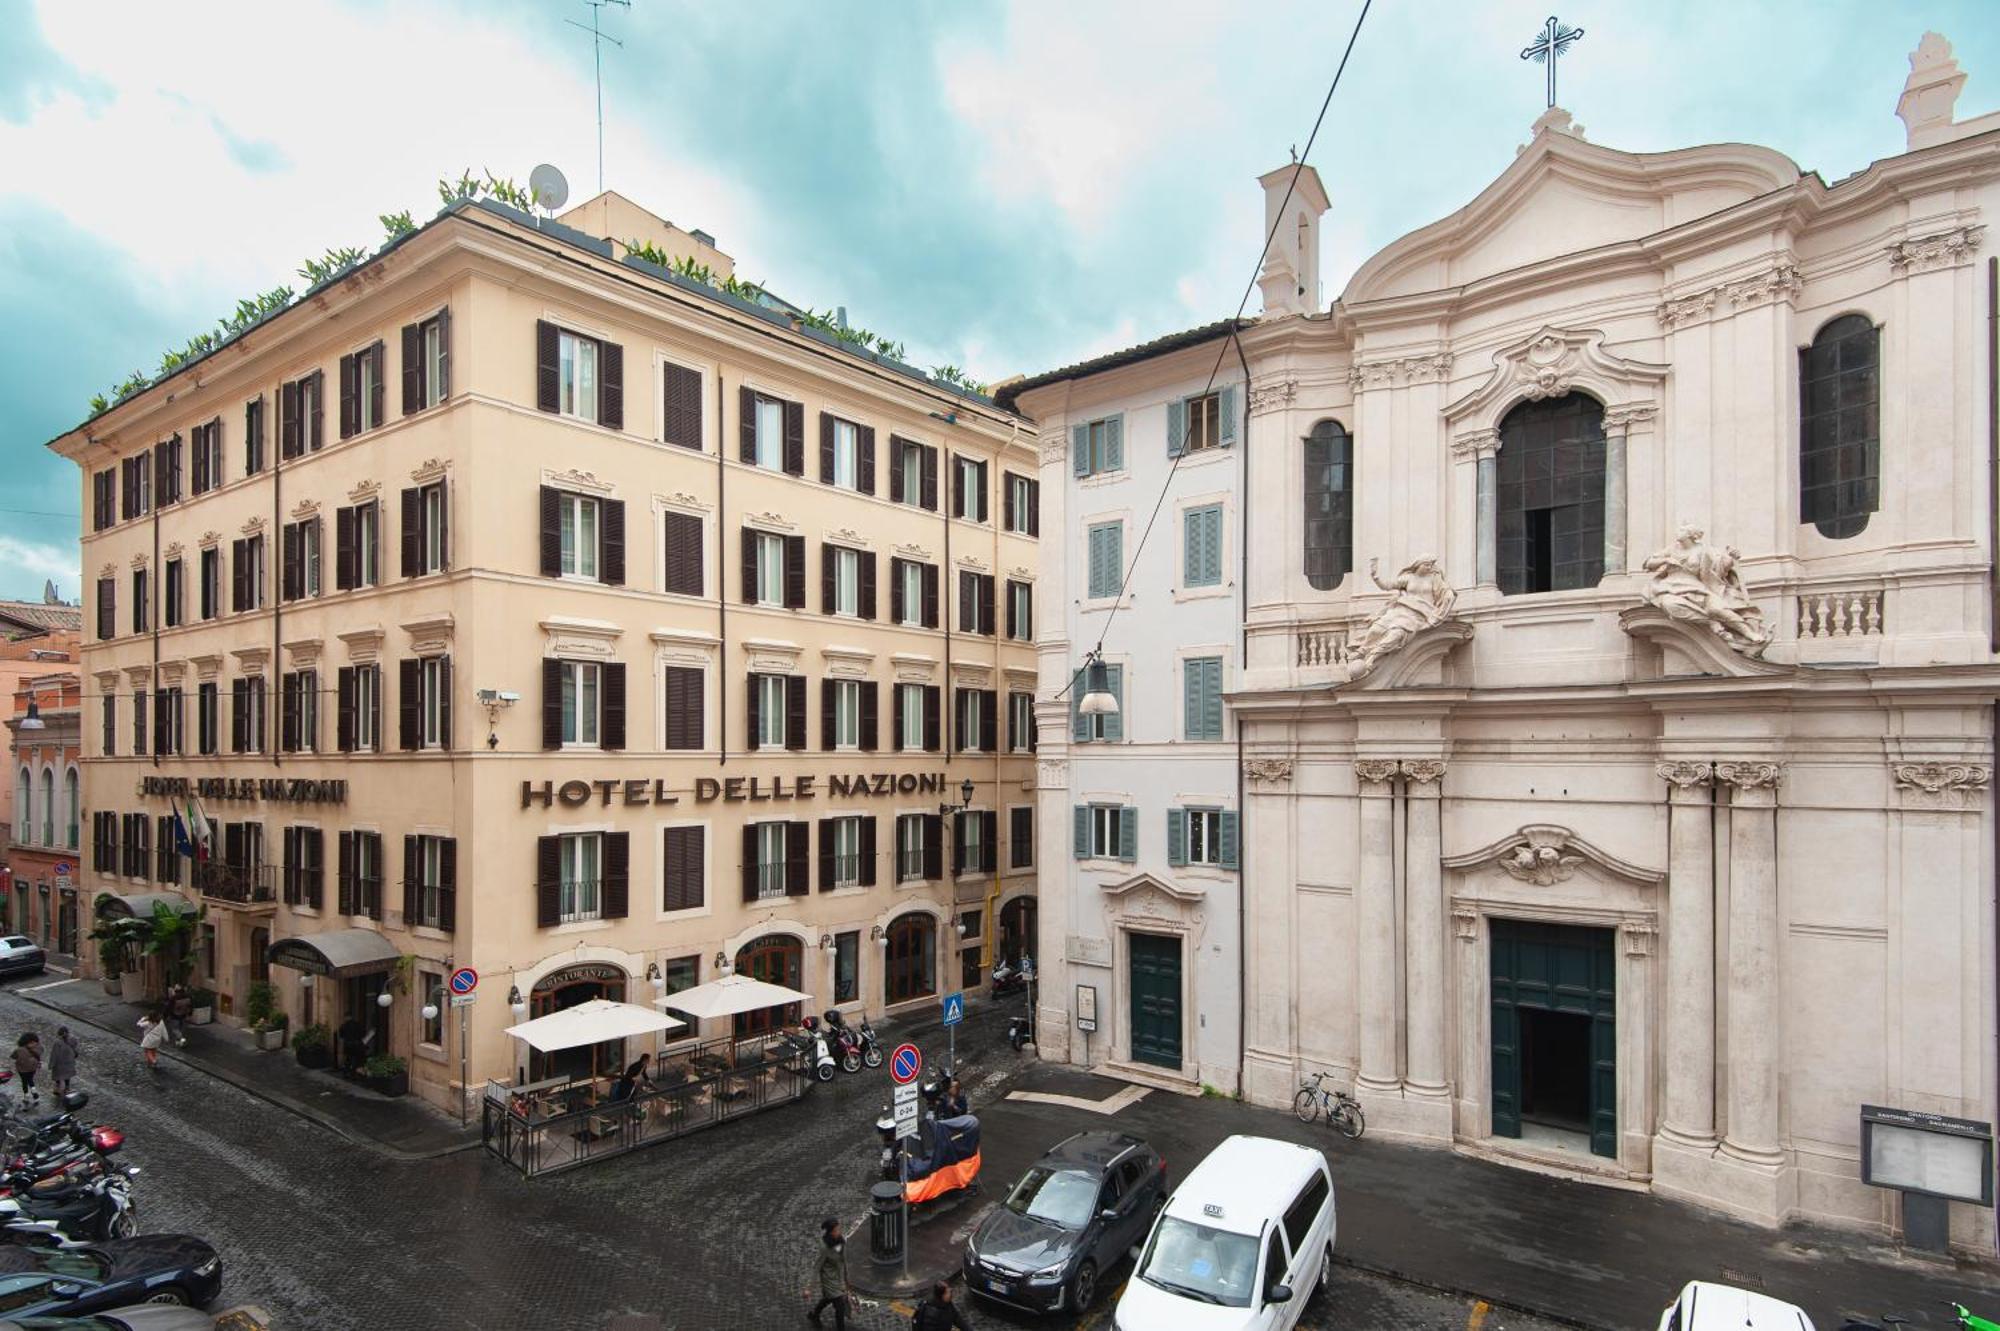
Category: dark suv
[1073,1216]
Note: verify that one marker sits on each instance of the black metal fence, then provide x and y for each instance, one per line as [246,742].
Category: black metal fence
[245,884]
[543,1130]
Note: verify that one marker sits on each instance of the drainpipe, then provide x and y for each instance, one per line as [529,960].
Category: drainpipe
[1993,541]
[274,546]
[1242,659]
[156,592]
[721,585]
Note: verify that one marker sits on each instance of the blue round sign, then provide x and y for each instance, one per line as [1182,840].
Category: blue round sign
[464,980]
[905,1064]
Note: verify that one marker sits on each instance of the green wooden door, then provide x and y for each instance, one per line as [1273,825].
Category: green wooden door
[1558,969]
[1156,1000]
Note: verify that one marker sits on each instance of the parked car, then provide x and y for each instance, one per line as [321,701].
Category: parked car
[154,1268]
[1073,1216]
[142,1318]
[1242,1245]
[1706,1306]
[21,956]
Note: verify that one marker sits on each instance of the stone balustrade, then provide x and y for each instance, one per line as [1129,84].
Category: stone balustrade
[1854,612]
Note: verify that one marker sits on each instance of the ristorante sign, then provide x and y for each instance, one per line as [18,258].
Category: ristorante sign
[729,789]
[273,789]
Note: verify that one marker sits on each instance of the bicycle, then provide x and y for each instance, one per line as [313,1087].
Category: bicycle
[1342,1110]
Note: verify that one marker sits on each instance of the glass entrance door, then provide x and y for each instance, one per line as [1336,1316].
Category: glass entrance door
[364,1027]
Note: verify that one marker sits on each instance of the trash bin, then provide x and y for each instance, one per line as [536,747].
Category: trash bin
[888,1222]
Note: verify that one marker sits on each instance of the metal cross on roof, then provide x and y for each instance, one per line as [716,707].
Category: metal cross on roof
[1555,41]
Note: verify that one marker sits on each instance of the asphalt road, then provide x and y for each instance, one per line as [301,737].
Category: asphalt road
[714,1232]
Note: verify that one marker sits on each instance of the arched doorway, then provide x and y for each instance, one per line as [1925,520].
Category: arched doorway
[563,989]
[1017,930]
[911,969]
[775,959]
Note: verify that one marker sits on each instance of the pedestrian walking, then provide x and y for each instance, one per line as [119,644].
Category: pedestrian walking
[27,1062]
[154,1026]
[180,1007]
[954,1103]
[939,1313]
[63,1051]
[833,1292]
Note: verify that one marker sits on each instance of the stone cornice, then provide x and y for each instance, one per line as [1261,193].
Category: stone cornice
[1779,282]
[1939,249]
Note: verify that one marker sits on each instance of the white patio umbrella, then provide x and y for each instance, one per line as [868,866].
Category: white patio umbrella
[732,994]
[593,1022]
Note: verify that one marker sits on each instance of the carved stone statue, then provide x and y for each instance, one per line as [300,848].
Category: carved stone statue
[1422,599]
[1696,583]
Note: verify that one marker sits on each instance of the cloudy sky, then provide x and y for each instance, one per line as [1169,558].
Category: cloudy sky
[1004,186]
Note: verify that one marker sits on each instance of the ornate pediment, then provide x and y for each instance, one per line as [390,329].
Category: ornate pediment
[1549,363]
[1544,854]
[1143,896]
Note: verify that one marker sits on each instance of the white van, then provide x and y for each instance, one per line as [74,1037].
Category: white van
[1706,1306]
[1242,1245]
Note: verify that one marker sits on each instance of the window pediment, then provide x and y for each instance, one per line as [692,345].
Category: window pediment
[1551,362]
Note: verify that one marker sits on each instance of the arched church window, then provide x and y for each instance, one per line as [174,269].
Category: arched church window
[1840,437]
[1550,479]
[1329,500]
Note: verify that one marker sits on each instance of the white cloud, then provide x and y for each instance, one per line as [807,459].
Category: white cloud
[23,562]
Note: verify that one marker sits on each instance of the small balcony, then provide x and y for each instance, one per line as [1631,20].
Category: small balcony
[247,886]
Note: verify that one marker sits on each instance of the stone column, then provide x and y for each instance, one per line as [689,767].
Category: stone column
[1688,1114]
[1614,496]
[1482,446]
[1424,904]
[1755,1036]
[1375,915]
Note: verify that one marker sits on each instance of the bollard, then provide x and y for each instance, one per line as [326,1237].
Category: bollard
[888,1223]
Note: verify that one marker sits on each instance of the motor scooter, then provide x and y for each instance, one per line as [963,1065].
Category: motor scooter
[1021,1030]
[89,1212]
[815,1042]
[1007,979]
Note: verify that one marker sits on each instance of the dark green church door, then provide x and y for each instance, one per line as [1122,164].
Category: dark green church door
[1156,1000]
[1555,1032]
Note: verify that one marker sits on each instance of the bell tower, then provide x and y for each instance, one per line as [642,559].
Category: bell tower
[1290,277]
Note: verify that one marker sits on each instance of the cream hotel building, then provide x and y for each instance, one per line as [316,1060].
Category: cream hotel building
[511,602]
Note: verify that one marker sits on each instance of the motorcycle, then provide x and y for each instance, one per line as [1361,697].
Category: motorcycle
[1021,1030]
[1965,1320]
[1008,979]
[812,1040]
[89,1212]
[843,1042]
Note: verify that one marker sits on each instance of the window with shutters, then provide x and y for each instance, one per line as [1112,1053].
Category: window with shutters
[847,966]
[685,880]
[579,535]
[140,719]
[910,847]
[846,713]
[360,702]
[681,537]
[253,436]
[1201,546]
[428,542]
[427,362]
[683,708]
[361,894]
[577,376]
[1022,505]
[1840,436]
[362,388]
[1100,447]
[1201,697]
[910,592]
[1329,506]
[166,860]
[971,853]
[211,582]
[169,721]
[1202,420]
[1020,723]
[142,608]
[205,457]
[770,433]
[912,474]
[247,574]
[425,898]
[580,701]
[846,852]
[135,485]
[969,489]
[770,556]
[909,716]
[301,551]
[301,415]
[207,718]
[1020,611]
[108,739]
[299,705]
[73,806]
[433,702]
[103,499]
[771,860]
[304,879]
[680,416]
[366,568]
[1105,542]
[846,443]
[174,593]
[582,862]
[107,609]
[430,984]
[910,963]
[844,571]
[965,716]
[770,700]
[1204,836]
[1105,827]
[1021,837]
[246,722]
[1550,491]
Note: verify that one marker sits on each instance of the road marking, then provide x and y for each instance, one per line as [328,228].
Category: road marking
[53,984]
[1478,1319]
[1131,1095]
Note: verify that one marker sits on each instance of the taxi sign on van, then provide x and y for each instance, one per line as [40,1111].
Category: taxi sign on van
[1211,1209]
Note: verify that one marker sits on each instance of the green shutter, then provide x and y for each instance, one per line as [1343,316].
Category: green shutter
[1191,708]
[1191,548]
[1211,697]
[1201,562]
[1128,834]
[1212,546]
[1079,724]
[1225,415]
[1079,449]
[1177,836]
[1114,557]
[1227,837]
[1114,682]
[1096,543]
[1176,427]
[1114,444]
[1082,845]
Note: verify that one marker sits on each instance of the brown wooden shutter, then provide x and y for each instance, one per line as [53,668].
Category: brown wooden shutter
[288,712]
[989,842]
[746,426]
[409,702]
[680,416]
[871,720]
[549,513]
[989,720]
[968,605]
[753,711]
[868,851]
[548,366]
[683,554]
[611,385]
[448,884]
[372,723]
[378,391]
[413,531]
[933,696]
[1007,500]
[344,562]
[795,712]
[826,870]
[865,600]
[798,865]
[617,896]
[344,713]
[827,689]
[444,702]
[682,702]
[413,368]
[825,449]
[350,395]
[444,524]
[896,447]
[1011,584]
[611,528]
[239,714]
[289,436]
[239,576]
[343,877]
[749,566]
[986,604]
[548,880]
[107,608]
[444,354]
[750,861]
[315,423]
[291,576]
[552,673]
[795,572]
[864,461]
[933,846]
[1034,508]
[826,563]
[895,590]
[795,438]
[928,460]
[957,487]
[896,717]
[930,596]
[612,732]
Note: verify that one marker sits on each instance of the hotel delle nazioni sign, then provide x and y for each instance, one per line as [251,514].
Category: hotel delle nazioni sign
[730,790]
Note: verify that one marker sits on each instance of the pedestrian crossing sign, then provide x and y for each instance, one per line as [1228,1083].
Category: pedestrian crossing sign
[954,1009]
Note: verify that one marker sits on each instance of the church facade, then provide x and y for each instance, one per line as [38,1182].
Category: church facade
[1614,703]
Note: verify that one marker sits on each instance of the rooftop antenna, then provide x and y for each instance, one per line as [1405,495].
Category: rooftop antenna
[548,189]
[597,40]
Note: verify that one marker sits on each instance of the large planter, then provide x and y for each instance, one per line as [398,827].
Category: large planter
[396,1083]
[202,1016]
[271,1039]
[313,1056]
[112,985]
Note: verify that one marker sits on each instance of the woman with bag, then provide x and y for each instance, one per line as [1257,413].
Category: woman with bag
[832,1275]
[155,1027]
[62,1059]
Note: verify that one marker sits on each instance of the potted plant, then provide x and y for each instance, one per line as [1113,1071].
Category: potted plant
[267,1022]
[312,1046]
[111,963]
[387,1074]
[204,1006]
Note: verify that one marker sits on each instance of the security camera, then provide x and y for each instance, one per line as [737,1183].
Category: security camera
[496,697]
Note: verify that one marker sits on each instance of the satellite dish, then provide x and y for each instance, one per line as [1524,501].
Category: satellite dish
[548,187]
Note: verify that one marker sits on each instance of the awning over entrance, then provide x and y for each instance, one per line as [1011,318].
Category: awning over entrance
[593,1022]
[337,952]
[733,994]
[139,905]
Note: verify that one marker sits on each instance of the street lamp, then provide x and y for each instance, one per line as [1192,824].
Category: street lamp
[385,999]
[33,720]
[723,964]
[1098,700]
[880,936]
[515,1003]
[430,1011]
